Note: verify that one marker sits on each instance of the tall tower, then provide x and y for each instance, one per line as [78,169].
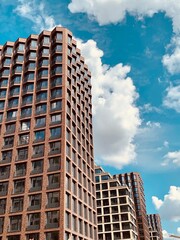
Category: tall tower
[115,208]
[135,183]
[47,188]
[155,228]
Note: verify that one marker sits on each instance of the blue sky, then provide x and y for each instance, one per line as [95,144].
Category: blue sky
[133,52]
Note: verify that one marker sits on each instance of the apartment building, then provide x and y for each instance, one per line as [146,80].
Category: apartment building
[134,181]
[116,218]
[155,228]
[47,188]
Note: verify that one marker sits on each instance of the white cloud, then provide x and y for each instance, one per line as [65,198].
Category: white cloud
[157,202]
[172,98]
[35,11]
[169,208]
[147,108]
[172,158]
[153,124]
[114,11]
[116,117]
[172,60]
[166,235]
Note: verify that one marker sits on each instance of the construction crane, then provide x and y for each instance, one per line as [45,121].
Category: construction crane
[174,236]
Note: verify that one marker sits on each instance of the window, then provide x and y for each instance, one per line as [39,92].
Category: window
[54,163]
[43,73]
[55,132]
[11,115]
[57,59]
[41,108]
[39,135]
[37,166]
[52,219]
[42,84]
[17,204]
[67,220]
[32,54]
[17,69]
[20,169]
[36,184]
[33,221]
[16,79]
[53,199]
[8,141]
[52,236]
[22,154]
[25,125]
[56,70]
[9,50]
[19,186]
[31,66]
[7,62]
[23,139]
[19,58]
[4,172]
[38,150]
[4,83]
[34,202]
[40,122]
[55,147]
[27,99]
[56,105]
[21,47]
[56,81]
[41,96]
[59,36]
[33,43]
[13,102]
[26,112]
[5,72]
[2,206]
[2,104]
[44,62]
[58,48]
[56,118]
[32,236]
[7,155]
[1,117]
[29,76]
[56,93]
[54,180]
[15,223]
[3,188]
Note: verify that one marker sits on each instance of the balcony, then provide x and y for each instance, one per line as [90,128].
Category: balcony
[10,145]
[35,188]
[20,173]
[53,185]
[17,208]
[54,167]
[38,112]
[22,157]
[19,190]
[4,175]
[10,118]
[38,154]
[32,227]
[53,225]
[34,207]
[54,151]
[5,160]
[52,205]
